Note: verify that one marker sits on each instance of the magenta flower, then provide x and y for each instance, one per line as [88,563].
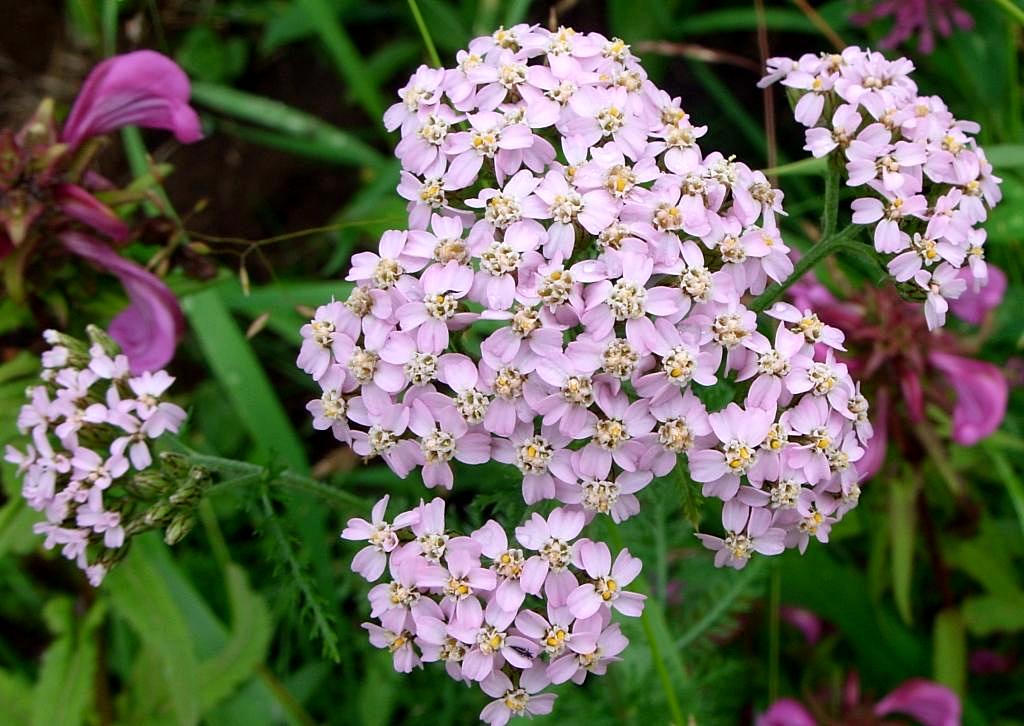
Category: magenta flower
[981,394]
[917,17]
[142,88]
[149,328]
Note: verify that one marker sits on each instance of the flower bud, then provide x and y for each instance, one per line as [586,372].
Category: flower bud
[179,527]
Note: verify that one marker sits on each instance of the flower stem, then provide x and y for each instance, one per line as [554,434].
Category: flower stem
[830,215]
[774,599]
[243,474]
[435,59]
[655,645]
[813,256]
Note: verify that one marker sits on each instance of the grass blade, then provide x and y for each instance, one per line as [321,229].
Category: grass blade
[346,57]
[310,135]
[234,364]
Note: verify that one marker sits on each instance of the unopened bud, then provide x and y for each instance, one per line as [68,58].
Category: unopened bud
[179,527]
[173,465]
[149,484]
[102,338]
[159,514]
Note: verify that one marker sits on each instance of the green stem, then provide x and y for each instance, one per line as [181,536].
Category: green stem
[244,474]
[284,696]
[652,641]
[774,600]
[435,59]
[813,256]
[830,214]
[1012,9]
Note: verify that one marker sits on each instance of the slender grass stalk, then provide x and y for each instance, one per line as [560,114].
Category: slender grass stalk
[1012,9]
[652,641]
[774,608]
[435,59]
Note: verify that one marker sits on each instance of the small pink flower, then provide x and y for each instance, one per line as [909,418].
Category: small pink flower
[610,579]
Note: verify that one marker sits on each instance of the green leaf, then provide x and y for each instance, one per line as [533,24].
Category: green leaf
[16,697]
[246,645]
[16,520]
[1014,486]
[1005,156]
[949,655]
[208,57]
[989,614]
[347,59]
[810,166]
[305,129]
[902,528]
[250,393]
[64,689]
[140,596]
[743,18]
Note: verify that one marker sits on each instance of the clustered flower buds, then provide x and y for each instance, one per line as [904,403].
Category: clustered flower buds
[927,183]
[572,277]
[89,466]
[460,600]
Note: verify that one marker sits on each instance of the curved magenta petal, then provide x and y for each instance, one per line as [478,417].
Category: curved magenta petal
[930,703]
[79,204]
[972,306]
[981,394]
[149,328]
[143,88]
[786,712]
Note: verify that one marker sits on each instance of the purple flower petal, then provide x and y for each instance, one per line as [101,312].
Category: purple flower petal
[149,328]
[143,88]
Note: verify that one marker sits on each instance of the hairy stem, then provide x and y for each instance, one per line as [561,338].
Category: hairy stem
[243,474]
[652,641]
[813,256]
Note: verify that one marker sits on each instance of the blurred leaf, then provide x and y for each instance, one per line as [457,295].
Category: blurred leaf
[347,59]
[949,655]
[246,645]
[515,13]
[314,136]
[838,592]
[16,520]
[446,27]
[290,23]
[64,689]
[1005,156]
[207,56]
[16,697]
[140,596]
[377,691]
[902,532]
[233,362]
[744,18]
[989,614]
[1012,482]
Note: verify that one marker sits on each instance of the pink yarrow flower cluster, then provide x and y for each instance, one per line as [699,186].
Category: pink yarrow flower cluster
[574,266]
[925,184]
[92,425]
[462,601]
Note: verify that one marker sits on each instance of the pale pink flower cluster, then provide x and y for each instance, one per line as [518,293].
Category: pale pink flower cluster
[926,183]
[91,424]
[460,600]
[574,263]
